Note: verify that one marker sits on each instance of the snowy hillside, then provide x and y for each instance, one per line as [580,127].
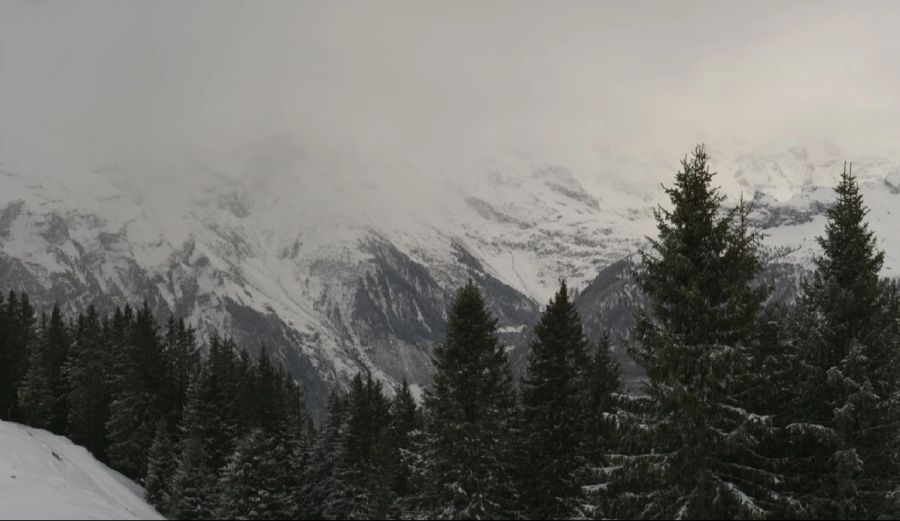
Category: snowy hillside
[340,262]
[44,476]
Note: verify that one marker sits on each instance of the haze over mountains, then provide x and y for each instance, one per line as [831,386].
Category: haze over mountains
[341,261]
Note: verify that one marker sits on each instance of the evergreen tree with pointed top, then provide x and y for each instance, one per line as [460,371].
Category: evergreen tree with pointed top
[470,419]
[161,466]
[250,487]
[846,331]
[193,484]
[181,357]
[693,439]
[603,383]
[17,336]
[321,475]
[554,411]
[59,344]
[405,429]
[36,400]
[137,407]
[89,394]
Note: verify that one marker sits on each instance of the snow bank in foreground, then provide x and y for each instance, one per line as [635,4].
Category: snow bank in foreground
[44,476]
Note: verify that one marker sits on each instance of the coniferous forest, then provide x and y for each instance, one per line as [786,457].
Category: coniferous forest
[752,407]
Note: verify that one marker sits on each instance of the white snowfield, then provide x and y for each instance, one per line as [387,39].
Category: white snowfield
[45,476]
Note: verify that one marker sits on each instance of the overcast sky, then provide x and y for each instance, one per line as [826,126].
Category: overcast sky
[207,77]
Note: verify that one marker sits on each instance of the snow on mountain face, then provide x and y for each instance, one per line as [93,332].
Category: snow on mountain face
[338,263]
[44,476]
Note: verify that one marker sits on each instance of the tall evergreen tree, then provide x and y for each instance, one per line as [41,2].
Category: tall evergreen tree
[181,357]
[36,400]
[161,467]
[193,486]
[17,336]
[847,336]
[136,408]
[250,485]
[470,419]
[361,460]
[603,383]
[555,412]
[58,344]
[694,437]
[89,395]
[321,475]
[405,430]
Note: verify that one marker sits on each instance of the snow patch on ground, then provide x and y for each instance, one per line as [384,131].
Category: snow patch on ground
[44,476]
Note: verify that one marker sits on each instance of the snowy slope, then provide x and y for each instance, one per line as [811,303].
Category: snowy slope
[44,476]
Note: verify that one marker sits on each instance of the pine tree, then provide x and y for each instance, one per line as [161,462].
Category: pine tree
[17,337]
[405,429]
[603,383]
[555,411]
[136,408]
[292,442]
[89,395]
[192,488]
[469,419]
[321,475]
[249,487]
[58,340]
[36,400]
[160,467]
[363,490]
[847,338]
[181,357]
[691,449]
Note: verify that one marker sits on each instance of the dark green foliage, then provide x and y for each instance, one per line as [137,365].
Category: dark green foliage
[603,382]
[161,466]
[555,411]
[320,479]
[468,453]
[137,406]
[694,439]
[89,390]
[181,357]
[250,486]
[847,340]
[17,328]
[36,400]
[58,344]
[405,429]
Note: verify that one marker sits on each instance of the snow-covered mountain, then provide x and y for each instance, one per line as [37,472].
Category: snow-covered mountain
[340,262]
[44,476]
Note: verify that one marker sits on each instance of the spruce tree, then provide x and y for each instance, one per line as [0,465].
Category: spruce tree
[321,476]
[405,429]
[193,485]
[58,344]
[161,467]
[136,408]
[555,412]
[36,400]
[470,419]
[17,337]
[249,487]
[181,357]
[847,340]
[692,440]
[89,395]
[602,388]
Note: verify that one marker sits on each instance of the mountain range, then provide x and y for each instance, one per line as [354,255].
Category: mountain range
[339,262]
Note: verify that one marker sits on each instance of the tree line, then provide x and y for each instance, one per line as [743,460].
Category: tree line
[752,408]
